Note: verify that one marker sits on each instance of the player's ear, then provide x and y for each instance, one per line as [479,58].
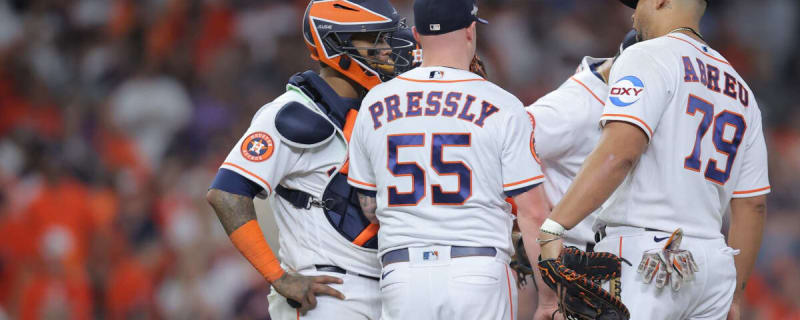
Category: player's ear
[416,34]
[471,32]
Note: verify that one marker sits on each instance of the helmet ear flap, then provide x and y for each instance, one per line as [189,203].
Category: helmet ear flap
[344,62]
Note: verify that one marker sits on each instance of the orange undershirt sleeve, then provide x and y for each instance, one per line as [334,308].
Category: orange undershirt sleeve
[250,241]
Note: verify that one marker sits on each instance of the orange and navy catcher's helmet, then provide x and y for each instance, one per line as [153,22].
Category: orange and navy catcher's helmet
[328,29]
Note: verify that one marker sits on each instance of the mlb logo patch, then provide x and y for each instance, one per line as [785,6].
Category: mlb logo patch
[430,255]
[436,74]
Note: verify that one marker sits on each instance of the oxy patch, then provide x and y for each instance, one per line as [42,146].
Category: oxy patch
[626,91]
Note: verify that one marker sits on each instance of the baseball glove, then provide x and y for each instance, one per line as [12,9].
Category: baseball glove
[575,275]
[477,67]
[520,262]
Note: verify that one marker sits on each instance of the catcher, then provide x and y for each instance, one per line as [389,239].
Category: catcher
[296,149]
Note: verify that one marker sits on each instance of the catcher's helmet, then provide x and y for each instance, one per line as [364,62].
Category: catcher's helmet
[328,29]
[405,56]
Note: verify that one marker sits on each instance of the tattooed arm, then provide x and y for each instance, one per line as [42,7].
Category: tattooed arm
[238,216]
[232,210]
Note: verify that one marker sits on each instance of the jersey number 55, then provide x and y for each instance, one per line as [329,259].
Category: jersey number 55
[417,173]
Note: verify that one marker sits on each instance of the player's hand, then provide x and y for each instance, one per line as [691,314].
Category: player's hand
[304,289]
[547,312]
[548,302]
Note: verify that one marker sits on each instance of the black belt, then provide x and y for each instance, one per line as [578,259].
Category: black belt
[401,255]
[601,233]
[331,268]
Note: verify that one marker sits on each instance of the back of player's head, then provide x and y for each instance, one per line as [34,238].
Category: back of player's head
[436,17]
[446,30]
[355,38]
[655,18]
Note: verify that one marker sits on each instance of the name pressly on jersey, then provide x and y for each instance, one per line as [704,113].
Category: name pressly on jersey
[438,103]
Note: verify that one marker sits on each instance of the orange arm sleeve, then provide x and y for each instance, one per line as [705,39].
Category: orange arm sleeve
[251,243]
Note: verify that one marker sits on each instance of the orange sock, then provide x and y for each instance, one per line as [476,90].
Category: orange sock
[251,243]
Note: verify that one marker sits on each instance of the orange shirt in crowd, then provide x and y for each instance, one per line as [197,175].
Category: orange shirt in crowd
[129,286]
[61,215]
[48,296]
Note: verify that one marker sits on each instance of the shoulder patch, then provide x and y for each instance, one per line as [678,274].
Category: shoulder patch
[257,147]
[533,138]
[626,91]
[301,127]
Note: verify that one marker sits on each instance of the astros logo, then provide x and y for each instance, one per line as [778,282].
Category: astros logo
[626,91]
[533,149]
[257,147]
[533,138]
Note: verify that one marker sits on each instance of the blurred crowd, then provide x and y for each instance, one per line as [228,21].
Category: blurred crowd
[115,115]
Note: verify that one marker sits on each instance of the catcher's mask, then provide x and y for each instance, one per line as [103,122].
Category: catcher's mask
[406,57]
[330,26]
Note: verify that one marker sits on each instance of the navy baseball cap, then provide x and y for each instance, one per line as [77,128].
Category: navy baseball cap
[433,17]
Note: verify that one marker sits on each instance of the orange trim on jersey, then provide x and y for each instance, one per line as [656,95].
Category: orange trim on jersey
[298,314]
[701,51]
[521,182]
[620,248]
[361,182]
[368,233]
[438,81]
[250,173]
[752,191]
[631,117]
[511,300]
[590,90]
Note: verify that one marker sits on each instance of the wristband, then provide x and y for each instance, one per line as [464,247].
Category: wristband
[551,227]
[250,241]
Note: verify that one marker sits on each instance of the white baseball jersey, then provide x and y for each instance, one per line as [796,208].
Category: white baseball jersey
[566,130]
[440,146]
[306,236]
[706,142]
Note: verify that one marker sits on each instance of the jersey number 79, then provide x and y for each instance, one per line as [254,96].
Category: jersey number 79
[723,146]
[417,173]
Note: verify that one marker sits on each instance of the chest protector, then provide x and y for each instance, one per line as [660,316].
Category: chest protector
[304,128]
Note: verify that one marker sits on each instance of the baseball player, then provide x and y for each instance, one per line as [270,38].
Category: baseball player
[434,153]
[566,131]
[682,140]
[296,147]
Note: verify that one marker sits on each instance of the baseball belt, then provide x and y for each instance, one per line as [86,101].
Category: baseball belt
[600,234]
[332,268]
[401,255]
